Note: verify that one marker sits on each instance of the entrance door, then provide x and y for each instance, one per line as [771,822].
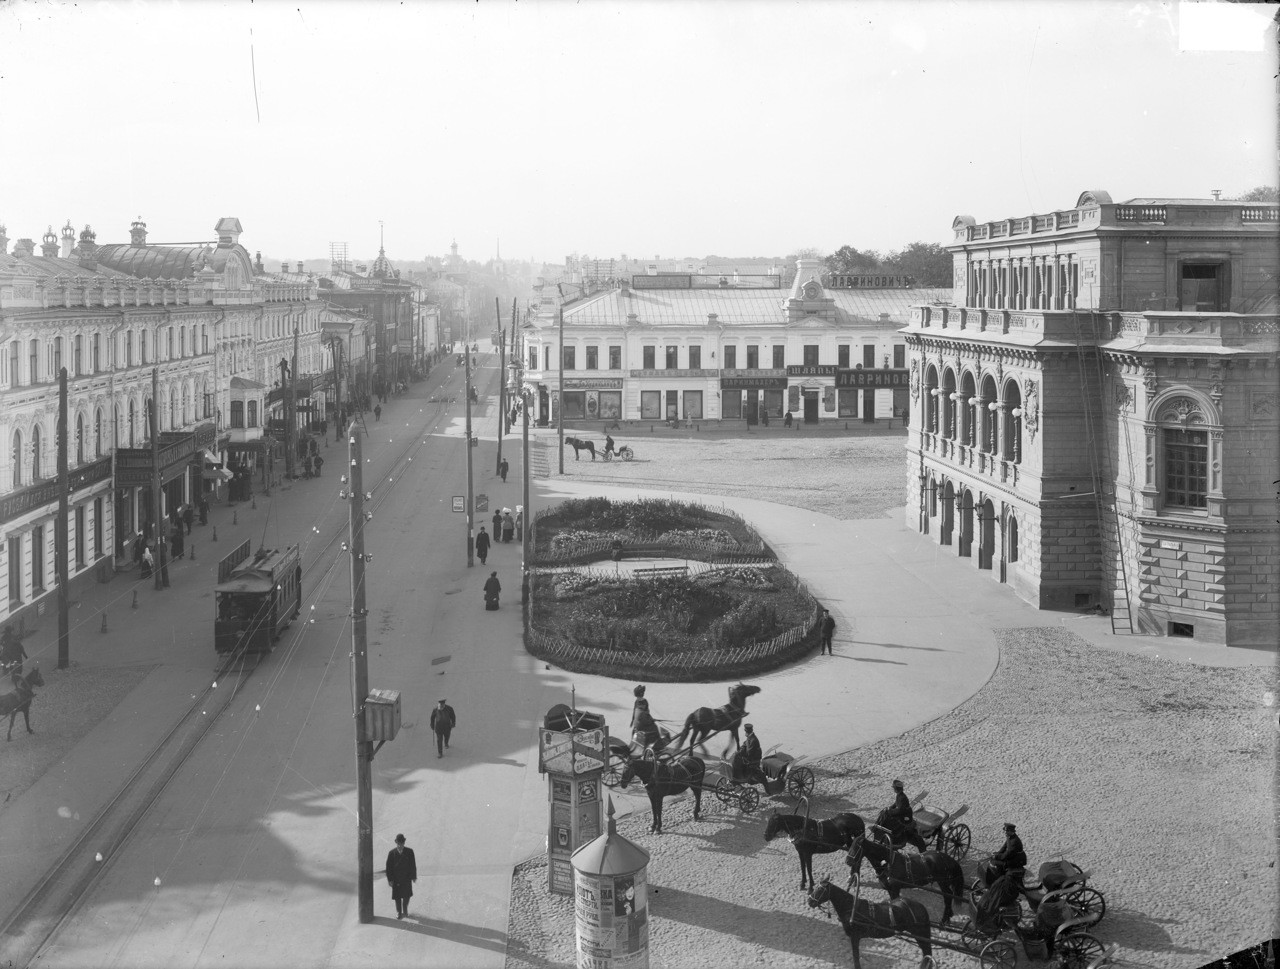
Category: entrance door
[753,407]
[673,405]
[868,406]
[811,407]
[966,524]
[986,534]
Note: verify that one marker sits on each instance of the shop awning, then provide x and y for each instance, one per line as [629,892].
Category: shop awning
[217,474]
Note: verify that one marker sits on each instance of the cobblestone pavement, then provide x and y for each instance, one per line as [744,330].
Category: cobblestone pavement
[1156,775]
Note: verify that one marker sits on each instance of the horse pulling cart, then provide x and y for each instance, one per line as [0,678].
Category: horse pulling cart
[780,774]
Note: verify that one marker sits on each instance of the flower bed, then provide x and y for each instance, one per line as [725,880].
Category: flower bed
[580,529]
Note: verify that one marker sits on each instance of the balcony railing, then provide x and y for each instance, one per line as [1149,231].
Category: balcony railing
[1142,213]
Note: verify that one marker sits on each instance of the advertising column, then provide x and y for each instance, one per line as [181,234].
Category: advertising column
[611,909]
[572,753]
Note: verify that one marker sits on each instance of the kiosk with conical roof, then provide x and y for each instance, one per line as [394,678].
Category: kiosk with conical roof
[611,902]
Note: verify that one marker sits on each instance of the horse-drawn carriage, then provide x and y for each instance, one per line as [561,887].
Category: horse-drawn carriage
[940,827]
[779,773]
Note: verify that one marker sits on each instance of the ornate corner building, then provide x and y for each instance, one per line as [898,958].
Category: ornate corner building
[1095,419]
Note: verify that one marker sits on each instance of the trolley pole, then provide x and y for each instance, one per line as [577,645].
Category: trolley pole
[471,509]
[162,557]
[60,532]
[360,667]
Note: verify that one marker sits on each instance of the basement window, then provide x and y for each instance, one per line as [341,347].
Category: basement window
[1184,629]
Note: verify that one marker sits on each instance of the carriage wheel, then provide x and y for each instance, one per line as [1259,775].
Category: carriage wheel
[748,798]
[627,454]
[1089,903]
[1000,954]
[800,782]
[955,840]
[971,938]
[725,791]
[1076,951]
[612,777]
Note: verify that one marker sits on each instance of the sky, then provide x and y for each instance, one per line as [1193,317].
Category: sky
[666,128]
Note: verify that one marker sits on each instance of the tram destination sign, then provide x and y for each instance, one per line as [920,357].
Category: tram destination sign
[872,379]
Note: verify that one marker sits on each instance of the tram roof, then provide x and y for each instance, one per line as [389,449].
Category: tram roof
[254,582]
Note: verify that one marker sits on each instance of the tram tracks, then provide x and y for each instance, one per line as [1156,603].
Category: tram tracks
[58,896]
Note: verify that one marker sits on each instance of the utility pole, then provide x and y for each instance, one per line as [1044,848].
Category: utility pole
[502,379]
[162,558]
[360,669]
[471,509]
[60,531]
[335,345]
[560,393]
[527,523]
[291,402]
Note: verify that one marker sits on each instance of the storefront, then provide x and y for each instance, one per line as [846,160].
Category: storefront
[811,392]
[593,398]
[181,459]
[674,395]
[753,393]
[884,392]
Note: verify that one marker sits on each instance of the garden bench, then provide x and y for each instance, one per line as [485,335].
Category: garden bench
[663,570]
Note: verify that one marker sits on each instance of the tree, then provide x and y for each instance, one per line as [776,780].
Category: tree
[1261,193]
[927,262]
[847,259]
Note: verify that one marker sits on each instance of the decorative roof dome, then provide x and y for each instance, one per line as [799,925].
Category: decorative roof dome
[381,265]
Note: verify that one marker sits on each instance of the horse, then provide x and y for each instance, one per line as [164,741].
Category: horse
[666,779]
[898,870]
[11,704]
[704,721]
[900,834]
[879,920]
[579,445]
[812,836]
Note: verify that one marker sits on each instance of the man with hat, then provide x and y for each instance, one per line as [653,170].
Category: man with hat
[402,872]
[902,818]
[746,762]
[1009,857]
[443,720]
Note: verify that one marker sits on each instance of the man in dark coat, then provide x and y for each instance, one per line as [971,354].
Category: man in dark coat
[1010,856]
[443,720]
[482,545]
[497,525]
[747,760]
[176,543]
[188,517]
[828,630]
[502,470]
[402,872]
[492,587]
[902,816]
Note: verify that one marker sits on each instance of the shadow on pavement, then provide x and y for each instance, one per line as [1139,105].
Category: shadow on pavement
[471,935]
[1147,933]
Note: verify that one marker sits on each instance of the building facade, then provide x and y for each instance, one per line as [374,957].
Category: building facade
[387,302]
[690,347]
[1095,420]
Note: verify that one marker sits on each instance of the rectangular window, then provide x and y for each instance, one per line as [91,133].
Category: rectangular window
[731,405]
[869,355]
[533,358]
[648,355]
[14,364]
[57,356]
[842,356]
[97,353]
[779,357]
[253,413]
[37,559]
[693,405]
[811,355]
[33,372]
[593,358]
[753,358]
[695,358]
[80,536]
[168,343]
[673,358]
[1186,468]
[848,402]
[651,405]
[142,345]
[1203,288]
[237,413]
[673,405]
[546,357]
[615,358]
[15,569]
[97,528]
[730,358]
[899,355]
[611,405]
[570,358]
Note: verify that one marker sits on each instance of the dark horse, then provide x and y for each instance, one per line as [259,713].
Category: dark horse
[879,920]
[19,702]
[811,836]
[666,779]
[579,445]
[898,870]
[704,721]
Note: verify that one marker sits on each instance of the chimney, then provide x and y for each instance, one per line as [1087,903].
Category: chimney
[88,248]
[257,262]
[624,286]
[284,267]
[138,232]
[24,248]
[299,267]
[4,239]
[49,244]
[68,240]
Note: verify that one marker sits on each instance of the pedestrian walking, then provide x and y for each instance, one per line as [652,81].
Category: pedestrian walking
[492,588]
[482,545]
[148,562]
[828,629]
[319,463]
[519,523]
[402,872]
[502,470]
[188,517]
[377,413]
[204,510]
[176,543]
[443,720]
[508,526]
[497,525]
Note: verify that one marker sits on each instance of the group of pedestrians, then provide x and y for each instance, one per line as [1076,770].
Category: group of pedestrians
[506,528]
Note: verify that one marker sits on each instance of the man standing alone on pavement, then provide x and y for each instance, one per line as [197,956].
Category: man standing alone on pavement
[482,545]
[402,872]
[828,630]
[443,720]
[502,469]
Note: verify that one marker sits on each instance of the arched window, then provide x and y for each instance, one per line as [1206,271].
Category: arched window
[173,407]
[147,406]
[16,458]
[57,356]
[931,393]
[204,338]
[186,405]
[142,346]
[15,363]
[36,444]
[33,370]
[990,416]
[79,355]
[168,343]
[1011,538]
[116,436]
[948,398]
[97,353]
[133,422]
[1011,446]
[1189,453]
[967,411]
[79,439]
[97,432]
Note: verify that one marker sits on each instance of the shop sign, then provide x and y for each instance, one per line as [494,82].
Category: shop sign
[872,379]
[752,383]
[589,383]
[820,370]
[45,492]
[702,374]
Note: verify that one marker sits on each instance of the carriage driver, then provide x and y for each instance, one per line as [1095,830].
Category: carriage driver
[1011,856]
[608,444]
[746,762]
[901,811]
